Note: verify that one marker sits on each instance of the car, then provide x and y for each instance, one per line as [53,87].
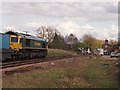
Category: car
[114,54]
[118,54]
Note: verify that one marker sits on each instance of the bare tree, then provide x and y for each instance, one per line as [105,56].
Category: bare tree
[48,33]
[113,42]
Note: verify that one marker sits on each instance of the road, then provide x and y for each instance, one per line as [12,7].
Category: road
[107,57]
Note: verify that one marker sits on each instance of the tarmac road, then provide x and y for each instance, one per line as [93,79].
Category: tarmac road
[107,57]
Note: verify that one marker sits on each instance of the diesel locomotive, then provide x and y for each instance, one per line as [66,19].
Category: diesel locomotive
[14,45]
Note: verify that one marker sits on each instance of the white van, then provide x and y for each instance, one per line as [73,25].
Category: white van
[101,51]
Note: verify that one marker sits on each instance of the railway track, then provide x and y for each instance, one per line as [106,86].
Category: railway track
[33,61]
[19,63]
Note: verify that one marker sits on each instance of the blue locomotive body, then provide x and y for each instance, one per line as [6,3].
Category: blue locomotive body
[16,45]
[5,51]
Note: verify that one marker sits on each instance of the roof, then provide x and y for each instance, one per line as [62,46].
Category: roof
[27,36]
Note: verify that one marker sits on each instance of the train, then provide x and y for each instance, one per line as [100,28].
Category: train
[14,45]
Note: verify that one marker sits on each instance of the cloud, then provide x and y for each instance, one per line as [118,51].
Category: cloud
[9,27]
[68,17]
[89,11]
[67,27]
[88,27]
[106,33]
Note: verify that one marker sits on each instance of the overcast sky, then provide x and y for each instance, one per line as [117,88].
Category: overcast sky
[97,18]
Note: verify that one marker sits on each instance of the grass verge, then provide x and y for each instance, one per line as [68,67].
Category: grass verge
[73,74]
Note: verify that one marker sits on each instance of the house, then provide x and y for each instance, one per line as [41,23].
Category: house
[106,47]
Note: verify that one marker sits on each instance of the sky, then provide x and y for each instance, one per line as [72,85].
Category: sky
[100,19]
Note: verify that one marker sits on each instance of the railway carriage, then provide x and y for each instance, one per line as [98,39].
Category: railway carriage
[22,46]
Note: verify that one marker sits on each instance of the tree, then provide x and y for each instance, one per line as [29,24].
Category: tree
[47,32]
[80,45]
[71,39]
[89,40]
[92,42]
[113,42]
[114,45]
[59,43]
[98,43]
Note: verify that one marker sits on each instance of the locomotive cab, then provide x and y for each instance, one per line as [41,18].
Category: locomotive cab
[15,42]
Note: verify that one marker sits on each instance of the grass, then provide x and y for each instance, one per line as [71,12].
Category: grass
[88,74]
[59,52]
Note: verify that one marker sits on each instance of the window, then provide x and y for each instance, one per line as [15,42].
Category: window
[20,40]
[14,39]
[27,42]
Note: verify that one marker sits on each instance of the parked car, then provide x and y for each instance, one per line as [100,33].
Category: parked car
[118,54]
[114,54]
